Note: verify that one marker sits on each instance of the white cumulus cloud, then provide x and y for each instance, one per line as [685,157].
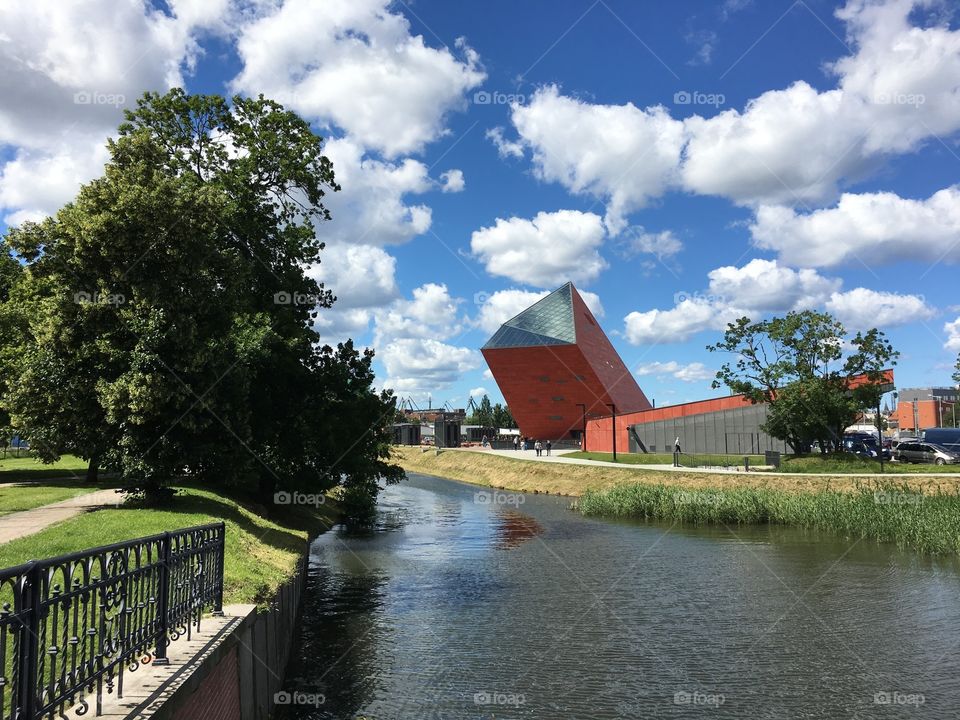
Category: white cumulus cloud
[871,227]
[692,372]
[860,309]
[355,65]
[547,251]
[622,154]
[952,329]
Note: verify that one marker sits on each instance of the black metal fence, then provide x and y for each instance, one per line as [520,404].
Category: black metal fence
[70,625]
[705,460]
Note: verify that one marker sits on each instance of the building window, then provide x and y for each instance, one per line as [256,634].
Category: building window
[558,398]
[545,378]
[556,417]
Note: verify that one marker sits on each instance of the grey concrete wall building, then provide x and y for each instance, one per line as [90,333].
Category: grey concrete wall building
[735,431]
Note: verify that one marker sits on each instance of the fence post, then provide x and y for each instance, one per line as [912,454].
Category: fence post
[30,658]
[160,658]
[221,553]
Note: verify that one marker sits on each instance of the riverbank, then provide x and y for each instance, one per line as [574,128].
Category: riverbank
[922,514]
[927,523]
[525,474]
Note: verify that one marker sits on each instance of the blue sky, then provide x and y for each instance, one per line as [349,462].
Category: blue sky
[682,163]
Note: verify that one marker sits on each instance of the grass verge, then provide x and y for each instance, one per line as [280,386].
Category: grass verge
[926,522]
[260,553]
[839,463]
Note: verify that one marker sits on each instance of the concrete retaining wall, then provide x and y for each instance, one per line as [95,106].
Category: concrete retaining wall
[240,677]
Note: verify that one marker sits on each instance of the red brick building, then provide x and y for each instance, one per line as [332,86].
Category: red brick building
[921,408]
[554,357]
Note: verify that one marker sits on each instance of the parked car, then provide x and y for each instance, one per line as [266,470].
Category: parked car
[858,446]
[946,437]
[924,452]
[871,448]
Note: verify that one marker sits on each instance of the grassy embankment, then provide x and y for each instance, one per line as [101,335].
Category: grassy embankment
[922,513]
[261,552]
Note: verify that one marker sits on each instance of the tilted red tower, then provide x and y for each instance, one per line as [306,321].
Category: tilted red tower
[553,356]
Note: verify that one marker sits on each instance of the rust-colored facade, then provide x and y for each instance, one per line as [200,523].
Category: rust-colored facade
[600,430]
[553,356]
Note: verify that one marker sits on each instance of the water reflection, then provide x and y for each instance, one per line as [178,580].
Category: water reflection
[513,528]
[457,607]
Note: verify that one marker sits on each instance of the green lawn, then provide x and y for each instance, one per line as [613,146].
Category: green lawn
[29,496]
[840,463]
[13,469]
[260,553]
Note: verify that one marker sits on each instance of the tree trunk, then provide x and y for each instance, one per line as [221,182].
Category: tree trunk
[93,468]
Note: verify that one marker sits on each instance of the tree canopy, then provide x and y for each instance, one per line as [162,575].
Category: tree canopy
[814,379]
[163,319]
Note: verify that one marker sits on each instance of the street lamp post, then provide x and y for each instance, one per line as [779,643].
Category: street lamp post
[939,403]
[613,422]
[583,434]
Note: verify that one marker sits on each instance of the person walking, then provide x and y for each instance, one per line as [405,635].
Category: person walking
[539,448]
[549,445]
[523,445]
[516,443]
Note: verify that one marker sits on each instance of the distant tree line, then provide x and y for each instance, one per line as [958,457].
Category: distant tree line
[492,416]
[161,324]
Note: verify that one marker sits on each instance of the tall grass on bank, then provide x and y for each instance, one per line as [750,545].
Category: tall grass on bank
[928,523]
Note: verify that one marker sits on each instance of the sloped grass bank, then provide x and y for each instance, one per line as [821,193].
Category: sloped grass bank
[928,522]
[528,475]
[260,553]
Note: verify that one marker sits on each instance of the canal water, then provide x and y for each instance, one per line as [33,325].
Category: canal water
[465,603]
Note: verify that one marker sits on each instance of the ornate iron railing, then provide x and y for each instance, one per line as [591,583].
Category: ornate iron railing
[70,625]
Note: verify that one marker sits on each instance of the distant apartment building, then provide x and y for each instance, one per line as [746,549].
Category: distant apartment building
[919,408]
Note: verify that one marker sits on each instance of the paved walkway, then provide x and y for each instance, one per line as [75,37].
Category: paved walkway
[147,690]
[19,524]
[558,457]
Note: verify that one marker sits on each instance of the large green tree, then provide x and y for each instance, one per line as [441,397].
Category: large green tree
[798,365]
[170,312]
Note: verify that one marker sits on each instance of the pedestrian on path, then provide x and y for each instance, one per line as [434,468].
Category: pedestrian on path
[549,445]
[523,445]
[516,443]
[538,446]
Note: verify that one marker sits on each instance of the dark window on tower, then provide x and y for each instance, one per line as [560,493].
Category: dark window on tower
[544,378]
[558,398]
